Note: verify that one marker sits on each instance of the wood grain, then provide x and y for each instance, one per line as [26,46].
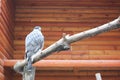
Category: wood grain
[6,37]
[69,16]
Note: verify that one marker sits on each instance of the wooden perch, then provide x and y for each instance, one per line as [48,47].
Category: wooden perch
[71,63]
[66,40]
[98,76]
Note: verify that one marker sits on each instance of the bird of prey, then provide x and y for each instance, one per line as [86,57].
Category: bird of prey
[33,43]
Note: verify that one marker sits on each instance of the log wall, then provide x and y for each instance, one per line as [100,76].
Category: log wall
[69,16]
[6,37]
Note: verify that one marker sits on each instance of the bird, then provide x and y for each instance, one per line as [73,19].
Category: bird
[34,42]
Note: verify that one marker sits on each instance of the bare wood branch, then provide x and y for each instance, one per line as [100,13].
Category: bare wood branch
[98,76]
[66,40]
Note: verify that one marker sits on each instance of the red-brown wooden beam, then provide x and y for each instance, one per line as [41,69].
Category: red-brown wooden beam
[70,63]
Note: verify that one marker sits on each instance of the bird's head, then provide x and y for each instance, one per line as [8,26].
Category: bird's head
[38,28]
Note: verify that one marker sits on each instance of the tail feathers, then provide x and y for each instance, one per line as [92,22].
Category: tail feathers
[29,64]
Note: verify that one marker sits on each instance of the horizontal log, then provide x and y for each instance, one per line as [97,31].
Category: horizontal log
[70,31]
[54,38]
[79,52]
[83,47]
[68,3]
[79,55]
[52,19]
[64,27]
[76,57]
[70,78]
[51,28]
[63,1]
[117,43]
[58,24]
[79,10]
[50,37]
[20,15]
[64,7]
[83,57]
[69,63]
[79,72]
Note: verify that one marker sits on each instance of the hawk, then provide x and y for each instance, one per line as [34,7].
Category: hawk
[33,43]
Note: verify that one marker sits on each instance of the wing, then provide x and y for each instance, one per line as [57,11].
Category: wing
[34,41]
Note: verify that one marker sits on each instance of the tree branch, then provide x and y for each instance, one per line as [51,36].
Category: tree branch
[66,40]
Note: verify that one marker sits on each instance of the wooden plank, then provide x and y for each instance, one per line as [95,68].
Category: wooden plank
[59,57]
[107,43]
[83,47]
[70,63]
[104,57]
[61,20]
[80,52]
[80,73]
[62,27]
[75,57]
[96,43]
[58,24]
[68,15]
[79,10]
[18,56]
[63,7]
[71,78]
[106,36]
[67,3]
[54,38]
[20,1]
[93,57]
